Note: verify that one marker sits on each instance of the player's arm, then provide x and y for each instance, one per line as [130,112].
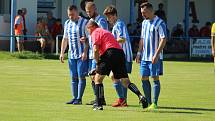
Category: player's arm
[140,50]
[161,45]
[213,39]
[163,35]
[96,53]
[64,44]
[212,44]
[86,47]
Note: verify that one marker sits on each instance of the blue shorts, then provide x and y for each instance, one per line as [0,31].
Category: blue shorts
[149,69]
[91,65]
[128,67]
[78,68]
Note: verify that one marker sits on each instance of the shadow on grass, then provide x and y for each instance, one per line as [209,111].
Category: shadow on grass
[188,108]
[160,111]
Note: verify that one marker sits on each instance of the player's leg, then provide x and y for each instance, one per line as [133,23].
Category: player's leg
[120,102]
[145,73]
[102,69]
[118,67]
[82,72]
[74,79]
[156,70]
[42,44]
[18,44]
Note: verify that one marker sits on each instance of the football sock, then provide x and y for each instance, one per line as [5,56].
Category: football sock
[119,89]
[99,94]
[147,90]
[81,88]
[134,89]
[156,89]
[74,88]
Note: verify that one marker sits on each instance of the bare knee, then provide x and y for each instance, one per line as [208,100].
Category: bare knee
[145,78]
[155,78]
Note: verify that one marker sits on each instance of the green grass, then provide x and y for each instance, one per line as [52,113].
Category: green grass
[36,90]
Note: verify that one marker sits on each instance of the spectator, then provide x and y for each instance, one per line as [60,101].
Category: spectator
[205,31]
[160,12]
[42,33]
[50,24]
[177,31]
[194,31]
[50,20]
[18,26]
[24,12]
[57,29]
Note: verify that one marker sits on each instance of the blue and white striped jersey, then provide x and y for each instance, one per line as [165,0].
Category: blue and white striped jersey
[102,22]
[120,31]
[74,30]
[152,32]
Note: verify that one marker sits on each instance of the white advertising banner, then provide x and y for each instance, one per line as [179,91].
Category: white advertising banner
[200,48]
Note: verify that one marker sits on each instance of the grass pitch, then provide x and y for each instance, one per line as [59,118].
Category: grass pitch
[36,90]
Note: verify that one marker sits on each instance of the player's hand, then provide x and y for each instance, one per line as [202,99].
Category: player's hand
[137,59]
[61,58]
[155,59]
[84,56]
[83,39]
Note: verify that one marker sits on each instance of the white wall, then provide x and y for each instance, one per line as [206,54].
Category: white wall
[31,17]
[4,28]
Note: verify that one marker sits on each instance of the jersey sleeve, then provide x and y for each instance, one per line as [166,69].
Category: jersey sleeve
[162,30]
[120,31]
[142,31]
[18,20]
[65,33]
[103,24]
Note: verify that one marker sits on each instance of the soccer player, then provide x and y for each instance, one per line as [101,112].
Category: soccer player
[18,26]
[121,35]
[213,42]
[74,34]
[153,40]
[109,56]
[92,13]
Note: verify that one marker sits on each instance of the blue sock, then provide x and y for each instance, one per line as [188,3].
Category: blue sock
[156,88]
[147,90]
[81,88]
[125,90]
[119,90]
[74,88]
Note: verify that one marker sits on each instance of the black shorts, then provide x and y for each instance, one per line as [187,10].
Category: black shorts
[112,60]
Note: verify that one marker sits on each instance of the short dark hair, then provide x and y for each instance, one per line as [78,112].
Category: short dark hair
[92,23]
[147,5]
[19,12]
[72,7]
[110,10]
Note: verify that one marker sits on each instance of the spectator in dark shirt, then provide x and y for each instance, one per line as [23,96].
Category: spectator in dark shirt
[194,31]
[205,31]
[177,31]
[160,12]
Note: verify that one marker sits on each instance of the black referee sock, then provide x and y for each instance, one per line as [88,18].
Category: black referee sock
[99,94]
[134,89]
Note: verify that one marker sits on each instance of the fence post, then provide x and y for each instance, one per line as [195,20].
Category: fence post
[56,45]
[13,13]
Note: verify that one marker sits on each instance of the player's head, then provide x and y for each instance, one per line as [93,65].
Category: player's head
[19,12]
[147,10]
[72,12]
[91,10]
[24,11]
[91,26]
[111,13]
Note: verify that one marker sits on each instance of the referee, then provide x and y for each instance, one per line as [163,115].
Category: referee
[109,57]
